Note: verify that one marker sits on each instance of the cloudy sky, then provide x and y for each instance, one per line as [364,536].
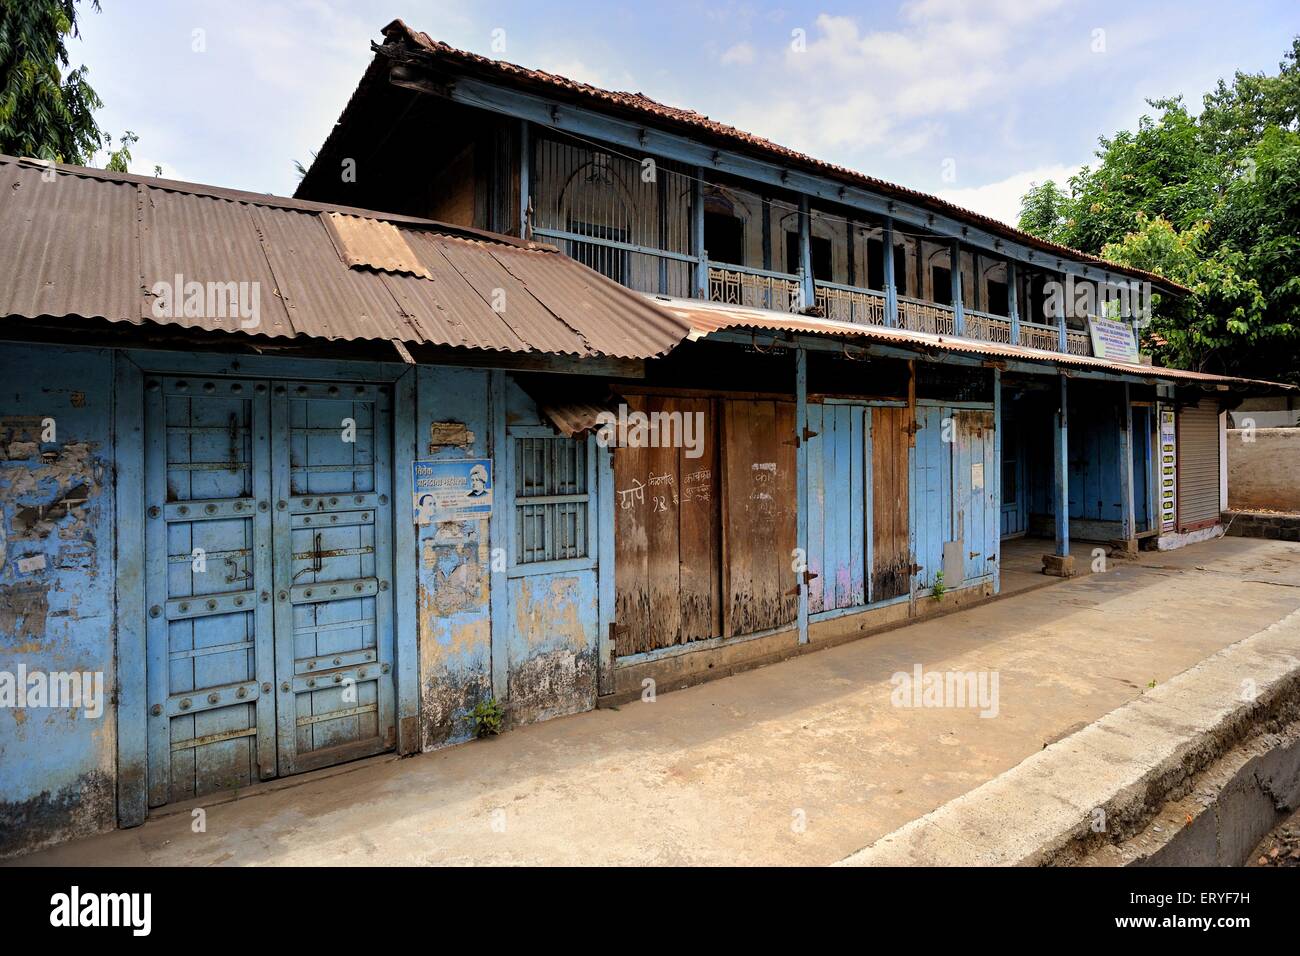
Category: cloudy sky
[971,100]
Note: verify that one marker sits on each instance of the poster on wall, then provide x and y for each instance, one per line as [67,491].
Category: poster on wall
[1113,340]
[457,489]
[1168,469]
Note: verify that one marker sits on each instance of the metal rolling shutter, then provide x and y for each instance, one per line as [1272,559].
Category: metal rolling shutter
[1198,465]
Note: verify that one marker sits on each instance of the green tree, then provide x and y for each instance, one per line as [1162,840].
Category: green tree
[1211,202]
[47,112]
[1042,210]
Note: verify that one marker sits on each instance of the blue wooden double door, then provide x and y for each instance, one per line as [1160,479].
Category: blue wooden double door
[269,572]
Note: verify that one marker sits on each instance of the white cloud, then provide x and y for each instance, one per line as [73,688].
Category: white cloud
[1001,200]
[739,53]
[888,90]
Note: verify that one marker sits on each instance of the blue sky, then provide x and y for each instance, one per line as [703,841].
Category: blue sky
[971,100]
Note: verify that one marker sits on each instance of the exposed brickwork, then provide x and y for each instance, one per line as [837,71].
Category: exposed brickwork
[1263,524]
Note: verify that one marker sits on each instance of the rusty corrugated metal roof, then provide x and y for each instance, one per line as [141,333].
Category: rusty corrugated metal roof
[706,318]
[91,244]
[644,108]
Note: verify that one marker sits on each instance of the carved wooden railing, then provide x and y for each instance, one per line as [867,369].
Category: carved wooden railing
[988,328]
[846,303]
[930,317]
[755,288]
[1078,343]
[763,289]
[1036,336]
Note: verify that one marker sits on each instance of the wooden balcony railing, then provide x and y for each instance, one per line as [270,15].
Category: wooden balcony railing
[930,317]
[845,303]
[763,289]
[1036,336]
[756,288]
[988,328]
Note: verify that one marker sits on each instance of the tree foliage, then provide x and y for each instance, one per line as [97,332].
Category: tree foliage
[1211,202]
[46,111]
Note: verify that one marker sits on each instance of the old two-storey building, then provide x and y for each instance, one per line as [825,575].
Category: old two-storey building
[306,480]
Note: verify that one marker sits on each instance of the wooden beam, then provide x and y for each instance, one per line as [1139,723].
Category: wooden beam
[1013,303]
[801,485]
[954,275]
[891,286]
[1061,473]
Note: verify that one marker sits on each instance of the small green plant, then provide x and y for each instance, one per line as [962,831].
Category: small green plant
[1150,684]
[488,716]
[938,589]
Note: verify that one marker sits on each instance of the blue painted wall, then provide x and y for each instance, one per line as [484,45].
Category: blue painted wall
[454,559]
[57,765]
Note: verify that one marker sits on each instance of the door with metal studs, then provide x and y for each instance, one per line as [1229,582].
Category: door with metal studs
[268,546]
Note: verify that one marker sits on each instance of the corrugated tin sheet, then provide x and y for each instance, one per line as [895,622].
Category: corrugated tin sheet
[643,107]
[93,244]
[708,317]
[370,242]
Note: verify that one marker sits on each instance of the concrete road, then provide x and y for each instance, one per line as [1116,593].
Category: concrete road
[802,762]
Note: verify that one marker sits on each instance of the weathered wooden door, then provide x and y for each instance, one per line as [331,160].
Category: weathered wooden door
[976,522]
[931,499]
[268,556]
[333,573]
[211,723]
[891,551]
[837,506]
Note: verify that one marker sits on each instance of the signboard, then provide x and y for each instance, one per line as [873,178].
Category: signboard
[1168,471]
[457,489]
[1113,340]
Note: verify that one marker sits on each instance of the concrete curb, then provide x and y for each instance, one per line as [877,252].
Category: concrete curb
[1117,771]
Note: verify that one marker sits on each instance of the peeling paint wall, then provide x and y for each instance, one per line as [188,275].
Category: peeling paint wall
[57,764]
[58,580]
[552,638]
[548,622]
[455,625]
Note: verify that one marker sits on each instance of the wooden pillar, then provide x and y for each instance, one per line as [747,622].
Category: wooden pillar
[1060,319]
[525,178]
[801,484]
[958,307]
[1126,474]
[891,288]
[1061,473]
[697,235]
[994,493]
[1013,302]
[805,253]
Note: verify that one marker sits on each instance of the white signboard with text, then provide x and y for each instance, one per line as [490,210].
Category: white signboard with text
[1113,340]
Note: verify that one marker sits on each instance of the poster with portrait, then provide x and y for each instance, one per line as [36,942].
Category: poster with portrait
[452,490]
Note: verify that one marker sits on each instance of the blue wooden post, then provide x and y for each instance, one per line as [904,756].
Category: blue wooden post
[604,518]
[891,287]
[132,694]
[1060,319]
[1013,302]
[1126,473]
[1061,474]
[805,253]
[406,598]
[801,483]
[995,494]
[958,307]
[499,537]
[525,177]
[697,235]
